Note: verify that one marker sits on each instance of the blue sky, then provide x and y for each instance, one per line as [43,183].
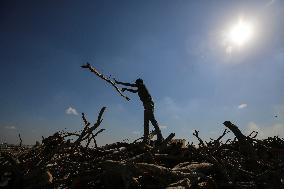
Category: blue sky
[177,47]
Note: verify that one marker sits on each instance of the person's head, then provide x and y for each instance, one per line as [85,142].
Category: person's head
[139,81]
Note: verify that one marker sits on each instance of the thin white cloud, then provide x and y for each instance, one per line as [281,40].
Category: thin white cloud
[242,106]
[71,111]
[12,127]
[264,132]
[163,126]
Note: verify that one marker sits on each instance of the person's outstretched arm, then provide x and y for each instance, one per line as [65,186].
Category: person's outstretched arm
[125,84]
[130,90]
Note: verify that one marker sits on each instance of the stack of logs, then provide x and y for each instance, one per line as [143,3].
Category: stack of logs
[59,162]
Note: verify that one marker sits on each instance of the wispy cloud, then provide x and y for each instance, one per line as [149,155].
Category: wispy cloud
[71,111]
[163,126]
[12,127]
[268,131]
[242,106]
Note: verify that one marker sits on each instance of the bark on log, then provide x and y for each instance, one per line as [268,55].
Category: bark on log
[245,145]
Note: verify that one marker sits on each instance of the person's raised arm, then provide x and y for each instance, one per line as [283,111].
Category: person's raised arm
[130,90]
[125,84]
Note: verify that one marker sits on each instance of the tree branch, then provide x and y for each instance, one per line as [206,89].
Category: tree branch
[95,71]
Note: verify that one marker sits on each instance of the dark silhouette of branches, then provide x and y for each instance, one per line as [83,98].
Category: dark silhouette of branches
[95,71]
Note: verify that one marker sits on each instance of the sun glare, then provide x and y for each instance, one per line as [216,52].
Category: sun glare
[240,33]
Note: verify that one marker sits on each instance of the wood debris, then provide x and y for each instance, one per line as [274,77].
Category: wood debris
[62,163]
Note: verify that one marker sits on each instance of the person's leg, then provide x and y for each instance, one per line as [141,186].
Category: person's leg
[146,127]
[156,126]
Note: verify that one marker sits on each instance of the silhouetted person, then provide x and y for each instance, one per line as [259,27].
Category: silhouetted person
[148,104]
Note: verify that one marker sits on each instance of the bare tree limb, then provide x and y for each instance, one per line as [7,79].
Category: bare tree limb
[20,140]
[88,131]
[95,71]
[255,134]
[201,143]
[224,133]
[245,145]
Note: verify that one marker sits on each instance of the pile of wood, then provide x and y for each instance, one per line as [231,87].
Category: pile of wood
[59,162]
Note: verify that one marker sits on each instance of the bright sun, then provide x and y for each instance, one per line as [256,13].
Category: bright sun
[240,33]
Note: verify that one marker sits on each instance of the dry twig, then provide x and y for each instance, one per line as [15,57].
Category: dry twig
[95,71]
